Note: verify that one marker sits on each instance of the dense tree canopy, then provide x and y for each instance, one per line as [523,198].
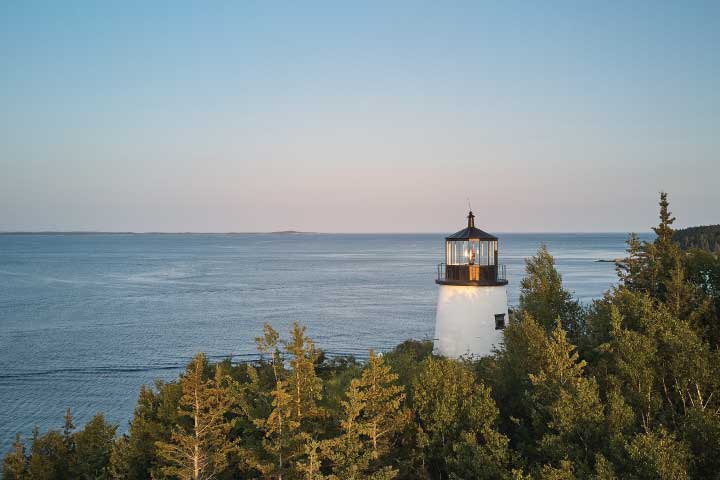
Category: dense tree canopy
[627,387]
[703,238]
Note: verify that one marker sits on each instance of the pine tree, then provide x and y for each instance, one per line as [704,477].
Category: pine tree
[373,416]
[276,427]
[381,398]
[310,469]
[293,419]
[198,449]
[15,462]
[303,383]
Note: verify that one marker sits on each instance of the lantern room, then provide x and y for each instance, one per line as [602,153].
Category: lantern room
[471,258]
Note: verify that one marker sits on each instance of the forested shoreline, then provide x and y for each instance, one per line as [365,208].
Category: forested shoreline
[705,237]
[627,387]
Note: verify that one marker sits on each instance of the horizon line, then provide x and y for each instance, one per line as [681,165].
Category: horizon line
[293,232]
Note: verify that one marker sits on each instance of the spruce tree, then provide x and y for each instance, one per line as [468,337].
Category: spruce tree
[134,455]
[664,230]
[542,295]
[630,269]
[568,413]
[93,446]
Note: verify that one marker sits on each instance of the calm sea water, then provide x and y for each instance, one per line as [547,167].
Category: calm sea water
[86,319]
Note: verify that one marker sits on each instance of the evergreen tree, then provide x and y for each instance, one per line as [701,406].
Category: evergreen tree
[629,271]
[520,355]
[198,448]
[68,428]
[15,463]
[93,445]
[69,438]
[381,398]
[304,385]
[373,416]
[295,416]
[48,456]
[134,456]
[311,468]
[278,430]
[543,296]
[568,414]
[631,358]
[456,419]
[664,230]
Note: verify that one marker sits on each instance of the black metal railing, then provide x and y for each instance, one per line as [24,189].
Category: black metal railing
[472,274]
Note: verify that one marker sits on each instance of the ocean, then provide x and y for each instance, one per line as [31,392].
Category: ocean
[85,320]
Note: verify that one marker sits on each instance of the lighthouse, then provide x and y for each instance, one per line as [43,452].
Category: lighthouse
[472,305]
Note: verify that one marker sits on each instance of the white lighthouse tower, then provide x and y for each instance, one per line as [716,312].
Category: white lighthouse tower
[472,305]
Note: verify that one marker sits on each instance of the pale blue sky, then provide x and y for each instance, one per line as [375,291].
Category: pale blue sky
[357,116]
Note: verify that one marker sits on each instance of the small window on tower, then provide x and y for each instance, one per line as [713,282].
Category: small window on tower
[499,321]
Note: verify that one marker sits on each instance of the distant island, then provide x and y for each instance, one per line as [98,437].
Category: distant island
[705,237]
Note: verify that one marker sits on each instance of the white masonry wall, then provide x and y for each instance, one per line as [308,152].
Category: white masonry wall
[465,320]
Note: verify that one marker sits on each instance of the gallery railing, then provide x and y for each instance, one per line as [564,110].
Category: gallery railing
[472,274]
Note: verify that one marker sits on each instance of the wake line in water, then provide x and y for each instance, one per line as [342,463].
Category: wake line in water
[360,354]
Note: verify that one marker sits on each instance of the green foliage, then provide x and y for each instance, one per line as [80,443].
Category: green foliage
[701,432]
[373,417]
[567,414]
[456,420]
[93,445]
[658,455]
[134,456]
[543,297]
[49,456]
[199,446]
[15,463]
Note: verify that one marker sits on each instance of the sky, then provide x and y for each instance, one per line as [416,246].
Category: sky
[357,116]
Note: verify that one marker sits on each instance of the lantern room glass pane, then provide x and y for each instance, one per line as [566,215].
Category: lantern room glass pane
[470,252]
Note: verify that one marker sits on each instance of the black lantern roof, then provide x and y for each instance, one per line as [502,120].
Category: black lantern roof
[471,232]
